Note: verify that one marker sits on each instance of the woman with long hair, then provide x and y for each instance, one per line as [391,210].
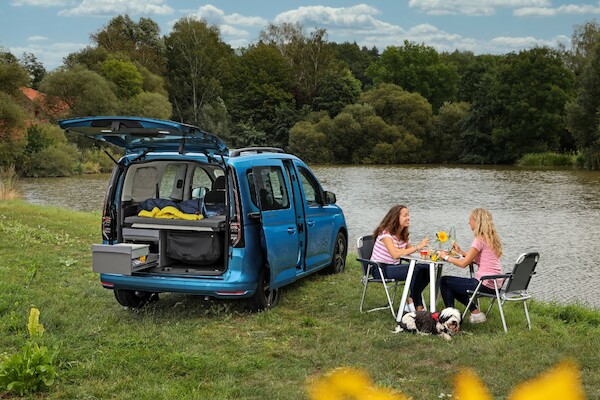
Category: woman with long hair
[485,251]
[391,243]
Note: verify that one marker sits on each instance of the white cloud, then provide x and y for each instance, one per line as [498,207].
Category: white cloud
[237,30]
[216,16]
[40,3]
[470,7]
[36,38]
[359,17]
[50,55]
[582,9]
[115,7]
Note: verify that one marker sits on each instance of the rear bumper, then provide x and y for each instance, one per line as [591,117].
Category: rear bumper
[218,288]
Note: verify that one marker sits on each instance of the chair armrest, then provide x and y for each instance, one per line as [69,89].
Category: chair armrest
[488,277]
[368,261]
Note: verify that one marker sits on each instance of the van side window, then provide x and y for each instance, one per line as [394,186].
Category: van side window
[167,181]
[310,187]
[201,183]
[274,193]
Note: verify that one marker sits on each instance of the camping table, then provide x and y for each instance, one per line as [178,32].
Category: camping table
[435,272]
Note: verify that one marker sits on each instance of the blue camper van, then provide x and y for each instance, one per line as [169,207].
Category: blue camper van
[183,213]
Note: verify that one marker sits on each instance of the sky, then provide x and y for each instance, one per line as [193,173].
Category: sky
[52,29]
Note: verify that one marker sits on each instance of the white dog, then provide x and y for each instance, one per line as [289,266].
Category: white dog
[444,323]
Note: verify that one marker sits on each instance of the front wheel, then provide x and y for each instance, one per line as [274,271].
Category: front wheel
[134,298]
[265,297]
[340,250]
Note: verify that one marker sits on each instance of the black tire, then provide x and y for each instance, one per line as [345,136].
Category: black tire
[264,298]
[134,298]
[340,251]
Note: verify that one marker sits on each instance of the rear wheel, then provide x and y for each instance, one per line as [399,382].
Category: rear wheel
[265,297]
[134,298]
[340,251]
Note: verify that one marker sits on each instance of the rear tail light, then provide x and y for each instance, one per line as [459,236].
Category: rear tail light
[107,231]
[234,234]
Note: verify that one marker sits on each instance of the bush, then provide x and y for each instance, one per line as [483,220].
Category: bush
[547,159]
[32,369]
[56,160]
[96,161]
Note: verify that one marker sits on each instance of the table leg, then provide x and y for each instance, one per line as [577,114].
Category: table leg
[411,269]
[432,287]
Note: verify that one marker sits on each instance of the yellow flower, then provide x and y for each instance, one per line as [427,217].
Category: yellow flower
[442,236]
[468,386]
[34,327]
[348,384]
[563,382]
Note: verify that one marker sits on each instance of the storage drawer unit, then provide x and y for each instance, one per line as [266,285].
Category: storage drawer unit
[122,258]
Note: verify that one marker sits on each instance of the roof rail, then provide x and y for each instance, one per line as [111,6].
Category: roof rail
[255,150]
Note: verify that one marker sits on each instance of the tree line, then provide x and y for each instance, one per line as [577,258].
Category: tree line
[324,101]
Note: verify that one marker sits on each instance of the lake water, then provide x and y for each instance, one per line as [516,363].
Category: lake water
[555,212]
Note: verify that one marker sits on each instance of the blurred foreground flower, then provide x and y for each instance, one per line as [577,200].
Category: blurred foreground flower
[349,384]
[563,382]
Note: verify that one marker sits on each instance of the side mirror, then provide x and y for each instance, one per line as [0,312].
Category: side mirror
[329,197]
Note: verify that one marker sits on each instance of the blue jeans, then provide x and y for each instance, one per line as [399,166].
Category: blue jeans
[455,288]
[399,272]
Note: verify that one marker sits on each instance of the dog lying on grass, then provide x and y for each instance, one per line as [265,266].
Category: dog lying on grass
[444,323]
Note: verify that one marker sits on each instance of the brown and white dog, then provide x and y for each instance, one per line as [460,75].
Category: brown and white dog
[444,323]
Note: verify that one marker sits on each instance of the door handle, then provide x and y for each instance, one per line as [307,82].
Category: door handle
[310,223]
[291,230]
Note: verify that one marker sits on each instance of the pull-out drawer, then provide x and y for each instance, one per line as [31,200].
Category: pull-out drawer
[122,258]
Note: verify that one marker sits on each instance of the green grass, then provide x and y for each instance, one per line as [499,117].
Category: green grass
[184,347]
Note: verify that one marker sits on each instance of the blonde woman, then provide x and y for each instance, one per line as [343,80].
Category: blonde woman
[485,251]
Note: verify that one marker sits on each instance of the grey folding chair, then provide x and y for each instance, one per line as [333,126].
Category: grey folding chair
[365,249]
[514,288]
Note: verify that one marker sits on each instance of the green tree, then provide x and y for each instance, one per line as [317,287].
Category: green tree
[90,57]
[357,59]
[417,68]
[310,143]
[259,95]
[396,106]
[336,91]
[471,75]
[150,105]
[447,128]
[141,41]
[583,112]
[80,92]
[583,41]
[35,69]
[533,88]
[310,57]
[12,130]
[126,77]
[197,61]
[12,74]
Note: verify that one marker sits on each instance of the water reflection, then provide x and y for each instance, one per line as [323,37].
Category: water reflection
[554,212]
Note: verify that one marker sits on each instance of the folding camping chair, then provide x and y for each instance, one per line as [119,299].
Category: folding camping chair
[514,287]
[365,249]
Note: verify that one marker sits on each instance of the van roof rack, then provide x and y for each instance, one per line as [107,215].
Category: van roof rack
[255,150]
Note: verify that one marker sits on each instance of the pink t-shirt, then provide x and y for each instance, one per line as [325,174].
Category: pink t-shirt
[488,262]
[380,252]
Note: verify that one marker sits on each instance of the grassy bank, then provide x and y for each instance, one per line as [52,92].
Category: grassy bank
[548,159]
[10,189]
[184,347]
